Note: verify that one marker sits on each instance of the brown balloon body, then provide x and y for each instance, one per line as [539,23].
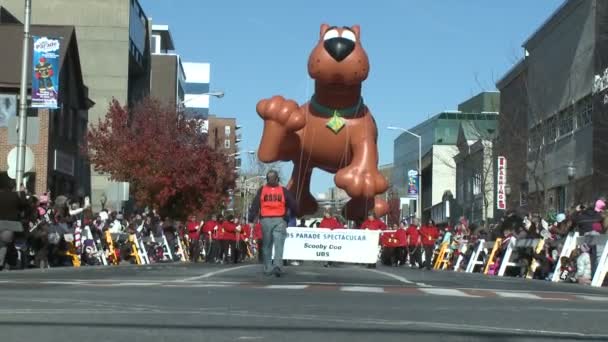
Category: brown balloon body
[334,131]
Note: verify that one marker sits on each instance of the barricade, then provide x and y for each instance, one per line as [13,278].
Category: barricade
[167,254]
[534,265]
[112,258]
[71,250]
[443,257]
[492,256]
[134,249]
[462,249]
[181,251]
[602,266]
[569,246]
[474,260]
[88,235]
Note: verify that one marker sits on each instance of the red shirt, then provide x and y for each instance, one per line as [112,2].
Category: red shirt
[193,232]
[375,224]
[219,233]
[245,232]
[401,235]
[229,231]
[208,227]
[257,231]
[429,234]
[413,235]
[389,240]
[331,223]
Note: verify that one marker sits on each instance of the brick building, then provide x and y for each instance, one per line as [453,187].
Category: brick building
[53,136]
[223,136]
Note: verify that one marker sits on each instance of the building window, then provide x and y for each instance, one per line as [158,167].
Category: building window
[227,130]
[477,184]
[550,129]
[227,143]
[535,138]
[155,43]
[584,112]
[566,121]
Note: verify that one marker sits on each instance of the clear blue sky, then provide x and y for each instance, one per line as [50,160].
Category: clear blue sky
[426,56]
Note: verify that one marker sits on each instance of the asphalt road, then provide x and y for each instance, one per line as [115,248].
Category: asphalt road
[186,302]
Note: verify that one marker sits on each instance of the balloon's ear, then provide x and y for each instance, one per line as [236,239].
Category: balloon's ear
[324,28]
[357,30]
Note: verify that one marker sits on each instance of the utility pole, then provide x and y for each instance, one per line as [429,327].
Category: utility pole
[22,127]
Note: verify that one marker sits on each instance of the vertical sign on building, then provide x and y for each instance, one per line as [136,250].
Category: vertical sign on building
[412,184]
[501,196]
[45,73]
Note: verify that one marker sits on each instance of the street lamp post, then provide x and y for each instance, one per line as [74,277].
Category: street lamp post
[419,200]
[217,94]
[22,128]
[245,204]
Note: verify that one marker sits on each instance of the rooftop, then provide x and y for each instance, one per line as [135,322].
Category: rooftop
[165,36]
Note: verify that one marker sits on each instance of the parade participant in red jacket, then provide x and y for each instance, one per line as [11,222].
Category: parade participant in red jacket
[390,242]
[413,243]
[229,230]
[401,249]
[207,232]
[193,228]
[218,239]
[372,223]
[329,221]
[428,235]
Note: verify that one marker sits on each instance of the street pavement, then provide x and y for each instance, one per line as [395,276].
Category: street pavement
[205,302]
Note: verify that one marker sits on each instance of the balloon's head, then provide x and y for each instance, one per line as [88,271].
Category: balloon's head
[339,58]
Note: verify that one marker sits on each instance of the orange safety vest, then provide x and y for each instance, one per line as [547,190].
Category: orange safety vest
[272,202]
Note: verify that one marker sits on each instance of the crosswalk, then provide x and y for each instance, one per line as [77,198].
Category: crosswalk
[348,288]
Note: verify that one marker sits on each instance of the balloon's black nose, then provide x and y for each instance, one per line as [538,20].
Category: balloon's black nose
[339,48]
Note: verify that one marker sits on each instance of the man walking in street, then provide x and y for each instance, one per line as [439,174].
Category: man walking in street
[271,204]
[12,205]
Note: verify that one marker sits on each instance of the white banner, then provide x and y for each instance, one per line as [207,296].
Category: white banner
[340,245]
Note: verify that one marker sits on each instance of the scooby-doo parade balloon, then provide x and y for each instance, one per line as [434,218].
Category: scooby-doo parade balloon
[334,131]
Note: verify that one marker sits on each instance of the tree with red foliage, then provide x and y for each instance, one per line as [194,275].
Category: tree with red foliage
[163,155]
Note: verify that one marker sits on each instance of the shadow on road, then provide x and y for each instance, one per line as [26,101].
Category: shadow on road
[409,331]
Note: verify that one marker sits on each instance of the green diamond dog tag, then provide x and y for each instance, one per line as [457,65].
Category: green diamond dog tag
[336,123]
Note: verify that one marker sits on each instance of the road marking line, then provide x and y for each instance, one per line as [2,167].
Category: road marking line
[286,287]
[211,274]
[521,295]
[61,282]
[447,292]
[135,284]
[197,285]
[593,298]
[362,289]
[390,275]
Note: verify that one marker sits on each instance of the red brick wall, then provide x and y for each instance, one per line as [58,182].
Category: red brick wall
[40,150]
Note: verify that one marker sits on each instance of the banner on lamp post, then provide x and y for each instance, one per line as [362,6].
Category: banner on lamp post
[413,184]
[501,195]
[45,73]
